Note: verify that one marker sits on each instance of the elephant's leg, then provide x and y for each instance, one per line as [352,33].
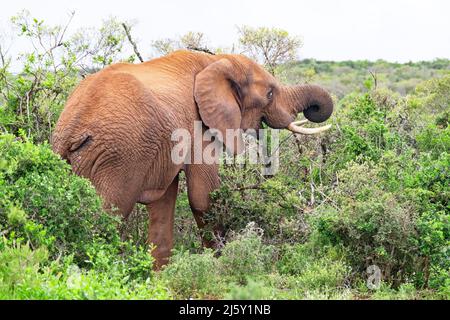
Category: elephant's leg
[161,213]
[201,180]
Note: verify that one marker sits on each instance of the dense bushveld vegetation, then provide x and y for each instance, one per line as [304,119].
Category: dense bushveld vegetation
[372,191]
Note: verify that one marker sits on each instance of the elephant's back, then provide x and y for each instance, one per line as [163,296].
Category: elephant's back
[116,106]
[113,93]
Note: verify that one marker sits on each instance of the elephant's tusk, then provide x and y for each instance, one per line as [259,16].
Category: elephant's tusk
[297,128]
[300,122]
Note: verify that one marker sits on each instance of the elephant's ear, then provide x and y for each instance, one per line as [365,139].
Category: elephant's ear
[216,92]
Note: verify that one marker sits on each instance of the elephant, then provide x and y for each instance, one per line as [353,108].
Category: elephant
[115,129]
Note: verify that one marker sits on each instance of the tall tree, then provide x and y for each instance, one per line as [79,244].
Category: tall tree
[191,40]
[269,46]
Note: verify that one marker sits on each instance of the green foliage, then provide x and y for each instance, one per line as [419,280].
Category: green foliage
[202,275]
[314,266]
[19,267]
[32,98]
[376,226]
[253,290]
[344,77]
[51,219]
[390,200]
[192,275]
[42,203]
[27,274]
[246,255]
[270,203]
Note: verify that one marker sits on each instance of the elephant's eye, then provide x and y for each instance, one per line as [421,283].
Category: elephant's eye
[80,143]
[270,94]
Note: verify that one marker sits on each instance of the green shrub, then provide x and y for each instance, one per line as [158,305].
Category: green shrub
[192,275]
[405,232]
[246,255]
[365,127]
[244,197]
[323,274]
[27,274]
[429,190]
[434,139]
[19,268]
[374,225]
[314,266]
[253,290]
[42,202]
[406,291]
[203,275]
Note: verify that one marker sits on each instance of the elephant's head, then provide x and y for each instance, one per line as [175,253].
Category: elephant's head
[236,93]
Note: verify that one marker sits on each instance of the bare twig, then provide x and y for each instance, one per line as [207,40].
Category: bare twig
[206,50]
[132,42]
[375,80]
[61,37]
[312,200]
[250,187]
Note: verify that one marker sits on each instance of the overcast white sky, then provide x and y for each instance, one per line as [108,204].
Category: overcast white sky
[395,30]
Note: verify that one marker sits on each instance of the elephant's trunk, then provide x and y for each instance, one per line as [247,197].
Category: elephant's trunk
[315,103]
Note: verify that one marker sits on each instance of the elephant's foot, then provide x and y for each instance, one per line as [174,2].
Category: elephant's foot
[161,256]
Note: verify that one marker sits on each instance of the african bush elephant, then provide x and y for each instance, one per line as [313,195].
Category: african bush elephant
[116,128]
